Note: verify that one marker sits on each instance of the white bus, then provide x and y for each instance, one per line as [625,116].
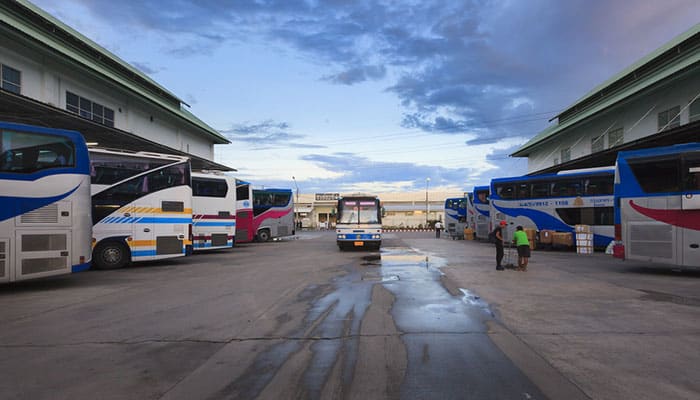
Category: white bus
[45,224]
[657,205]
[213,211]
[359,222]
[141,207]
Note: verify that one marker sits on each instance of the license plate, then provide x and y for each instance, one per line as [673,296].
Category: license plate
[357,244]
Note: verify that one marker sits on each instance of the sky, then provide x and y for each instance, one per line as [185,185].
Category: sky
[377,96]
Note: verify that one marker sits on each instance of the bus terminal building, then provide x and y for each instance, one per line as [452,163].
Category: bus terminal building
[654,102]
[52,76]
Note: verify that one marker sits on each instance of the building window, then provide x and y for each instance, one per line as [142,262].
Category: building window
[11,79]
[89,109]
[616,137]
[565,154]
[670,118]
[597,144]
[694,111]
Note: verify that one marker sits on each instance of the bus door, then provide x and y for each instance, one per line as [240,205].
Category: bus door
[42,252]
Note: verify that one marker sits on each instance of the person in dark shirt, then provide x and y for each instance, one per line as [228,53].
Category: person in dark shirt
[498,236]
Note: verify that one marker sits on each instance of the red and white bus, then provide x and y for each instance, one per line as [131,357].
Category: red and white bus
[273,213]
[244,212]
[213,210]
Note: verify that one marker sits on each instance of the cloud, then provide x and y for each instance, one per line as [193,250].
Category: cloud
[146,67]
[357,75]
[266,135]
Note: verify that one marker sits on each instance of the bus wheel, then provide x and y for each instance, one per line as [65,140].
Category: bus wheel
[264,235]
[110,255]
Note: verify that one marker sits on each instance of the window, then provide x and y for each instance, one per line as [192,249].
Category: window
[587,215]
[691,170]
[657,175]
[281,199]
[522,190]
[11,79]
[567,188]
[597,144]
[107,169]
[599,186]
[89,109]
[505,191]
[670,118]
[694,111]
[540,189]
[483,196]
[565,154]
[242,192]
[206,187]
[616,137]
[110,200]
[22,152]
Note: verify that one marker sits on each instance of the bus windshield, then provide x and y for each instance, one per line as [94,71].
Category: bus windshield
[358,212]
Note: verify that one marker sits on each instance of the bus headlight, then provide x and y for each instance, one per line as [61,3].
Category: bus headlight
[341,236]
[376,236]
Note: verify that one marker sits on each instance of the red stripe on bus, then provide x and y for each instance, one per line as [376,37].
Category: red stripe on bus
[689,219]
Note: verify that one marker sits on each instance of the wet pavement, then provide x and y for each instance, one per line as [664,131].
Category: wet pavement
[439,342]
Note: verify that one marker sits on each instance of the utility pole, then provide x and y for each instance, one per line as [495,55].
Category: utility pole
[427,206]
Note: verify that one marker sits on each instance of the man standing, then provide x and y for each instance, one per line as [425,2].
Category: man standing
[438,228]
[520,240]
[498,240]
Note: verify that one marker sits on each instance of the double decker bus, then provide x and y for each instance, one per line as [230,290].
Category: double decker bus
[273,213]
[45,224]
[359,222]
[213,211]
[456,216]
[657,198]
[557,202]
[244,212]
[482,212]
[141,207]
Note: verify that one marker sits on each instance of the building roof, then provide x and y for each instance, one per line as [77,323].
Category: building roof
[40,26]
[675,57]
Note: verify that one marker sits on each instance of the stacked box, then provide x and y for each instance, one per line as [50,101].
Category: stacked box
[546,236]
[562,239]
[468,234]
[584,239]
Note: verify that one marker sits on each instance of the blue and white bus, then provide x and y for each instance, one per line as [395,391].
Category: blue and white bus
[657,198]
[141,207]
[482,211]
[557,202]
[359,222]
[45,222]
[456,216]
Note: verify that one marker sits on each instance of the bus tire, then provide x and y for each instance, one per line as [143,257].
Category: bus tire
[110,255]
[264,235]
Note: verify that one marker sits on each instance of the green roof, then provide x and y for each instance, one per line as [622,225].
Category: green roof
[43,28]
[672,58]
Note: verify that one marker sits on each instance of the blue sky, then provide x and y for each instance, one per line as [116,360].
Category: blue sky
[377,95]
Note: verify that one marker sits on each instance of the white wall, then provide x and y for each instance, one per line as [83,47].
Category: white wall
[46,79]
[637,117]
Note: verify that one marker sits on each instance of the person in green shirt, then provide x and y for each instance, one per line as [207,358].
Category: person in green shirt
[523,245]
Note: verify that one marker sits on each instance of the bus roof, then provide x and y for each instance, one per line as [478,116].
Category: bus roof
[560,175]
[660,151]
[138,154]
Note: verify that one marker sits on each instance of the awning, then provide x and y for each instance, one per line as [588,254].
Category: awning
[303,209]
[24,110]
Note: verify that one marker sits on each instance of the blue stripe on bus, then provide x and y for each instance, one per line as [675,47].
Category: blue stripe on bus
[146,253]
[208,245]
[362,236]
[147,220]
[80,267]
[11,206]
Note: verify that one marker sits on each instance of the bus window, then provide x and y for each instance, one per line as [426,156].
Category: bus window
[567,187]
[657,175]
[242,192]
[691,170]
[280,199]
[523,191]
[483,196]
[599,186]
[206,187]
[540,189]
[506,192]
